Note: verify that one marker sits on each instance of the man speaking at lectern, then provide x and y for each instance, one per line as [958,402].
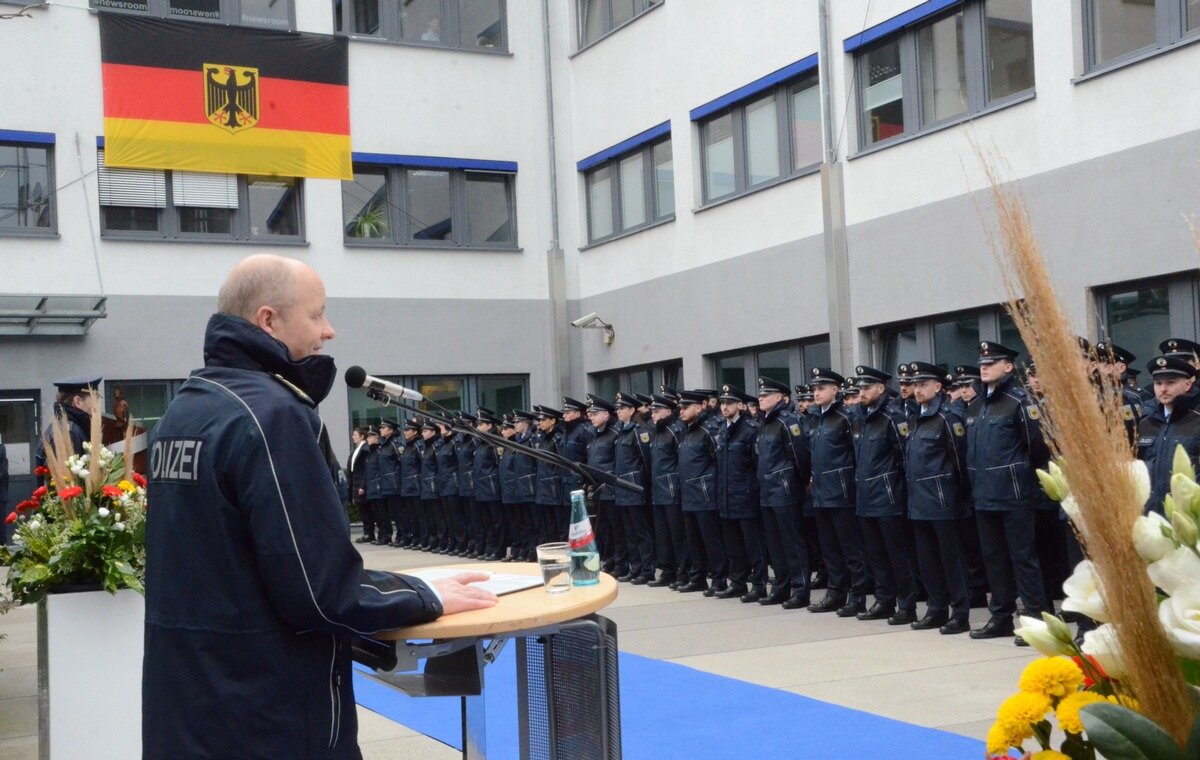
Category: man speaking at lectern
[253,589]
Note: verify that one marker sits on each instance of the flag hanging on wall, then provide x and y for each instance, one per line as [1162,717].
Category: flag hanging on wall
[198,97]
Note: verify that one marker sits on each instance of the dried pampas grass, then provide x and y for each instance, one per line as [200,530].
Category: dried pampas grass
[1091,438]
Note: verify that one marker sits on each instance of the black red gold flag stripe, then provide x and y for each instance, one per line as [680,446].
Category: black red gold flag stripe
[198,97]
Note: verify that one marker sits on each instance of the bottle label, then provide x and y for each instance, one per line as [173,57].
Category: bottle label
[580,534]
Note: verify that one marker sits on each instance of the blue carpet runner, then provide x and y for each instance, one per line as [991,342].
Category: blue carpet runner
[669,711]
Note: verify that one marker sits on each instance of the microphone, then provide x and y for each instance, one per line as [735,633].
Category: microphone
[357,377]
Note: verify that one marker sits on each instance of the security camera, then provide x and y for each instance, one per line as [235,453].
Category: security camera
[594,322]
[588,320]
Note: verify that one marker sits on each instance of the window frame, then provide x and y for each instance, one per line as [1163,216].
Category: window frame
[653,217]
[1170,31]
[658,374]
[1183,301]
[782,94]
[169,228]
[471,390]
[975,52]
[231,13]
[396,184]
[51,196]
[390,30]
[798,368]
[641,8]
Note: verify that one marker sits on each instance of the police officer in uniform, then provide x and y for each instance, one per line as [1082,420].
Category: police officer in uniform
[632,463]
[486,476]
[1172,420]
[464,452]
[356,469]
[548,494]
[1131,382]
[905,381]
[1181,348]
[602,455]
[410,490]
[737,499]
[1113,362]
[388,462]
[527,487]
[577,434]
[784,470]
[831,439]
[880,503]
[514,517]
[698,497]
[74,402]
[1004,449]
[430,502]
[447,476]
[937,500]
[670,538]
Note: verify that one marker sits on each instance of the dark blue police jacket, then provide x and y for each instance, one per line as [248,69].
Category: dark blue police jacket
[697,468]
[549,490]
[372,477]
[879,462]
[389,464]
[602,455]
[576,437]
[737,470]
[1004,448]
[936,473]
[508,476]
[464,450]
[1158,437]
[664,462]
[784,462]
[485,473]
[526,472]
[429,471]
[631,455]
[253,588]
[831,438]
[410,467]
[447,466]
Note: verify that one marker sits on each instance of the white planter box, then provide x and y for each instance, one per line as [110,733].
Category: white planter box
[90,675]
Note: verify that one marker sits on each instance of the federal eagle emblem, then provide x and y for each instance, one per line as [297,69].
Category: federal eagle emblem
[231,96]
[1127,412]
[1033,412]
[959,430]
[645,437]
[795,429]
[903,428]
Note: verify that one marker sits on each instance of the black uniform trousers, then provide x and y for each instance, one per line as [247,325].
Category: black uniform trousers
[514,528]
[942,568]
[456,535]
[535,529]
[706,551]
[744,550]
[1010,558]
[812,540]
[366,512]
[1050,538]
[474,514]
[386,517]
[548,521]
[1075,555]
[639,540]
[610,537]
[495,538]
[841,545]
[670,541]
[972,557]
[889,554]
[560,522]
[786,550]
[431,510]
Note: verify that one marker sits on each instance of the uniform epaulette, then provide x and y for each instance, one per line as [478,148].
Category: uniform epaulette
[294,389]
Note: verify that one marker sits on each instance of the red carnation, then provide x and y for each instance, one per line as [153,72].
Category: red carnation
[12,518]
[27,505]
[112,492]
[137,478]
[70,493]
[39,493]
[41,470]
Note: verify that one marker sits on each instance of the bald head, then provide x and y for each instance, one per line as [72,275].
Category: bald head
[283,297]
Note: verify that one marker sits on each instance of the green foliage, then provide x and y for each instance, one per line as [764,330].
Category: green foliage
[371,222]
[1119,733]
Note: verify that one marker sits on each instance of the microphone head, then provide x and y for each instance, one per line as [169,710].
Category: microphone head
[356,376]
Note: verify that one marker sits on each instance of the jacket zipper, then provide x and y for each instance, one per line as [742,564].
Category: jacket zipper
[335,698]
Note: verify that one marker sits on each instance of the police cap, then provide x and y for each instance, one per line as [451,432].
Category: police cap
[1110,353]
[571,405]
[926,371]
[546,412]
[658,401]
[869,375]
[767,385]
[597,404]
[990,351]
[73,385]
[1180,348]
[1170,366]
[820,375]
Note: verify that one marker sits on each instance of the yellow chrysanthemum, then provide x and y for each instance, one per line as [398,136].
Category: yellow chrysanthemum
[1124,701]
[1049,754]
[1068,710]
[126,486]
[1023,708]
[1054,677]
[1000,738]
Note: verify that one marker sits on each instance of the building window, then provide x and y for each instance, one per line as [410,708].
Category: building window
[183,205]
[631,191]
[945,68]
[600,17]
[148,399]
[762,140]
[421,207]
[26,188]
[788,363]
[500,393]
[646,379]
[273,14]
[1118,30]
[1139,315]
[458,24]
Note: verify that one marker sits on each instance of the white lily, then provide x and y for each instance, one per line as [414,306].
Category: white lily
[1102,644]
[1180,618]
[1177,570]
[1083,593]
[1153,537]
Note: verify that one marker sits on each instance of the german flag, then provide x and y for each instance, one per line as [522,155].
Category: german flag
[198,97]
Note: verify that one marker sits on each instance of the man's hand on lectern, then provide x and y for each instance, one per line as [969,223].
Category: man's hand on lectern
[457,596]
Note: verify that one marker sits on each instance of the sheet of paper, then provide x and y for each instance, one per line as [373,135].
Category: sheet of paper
[499,584]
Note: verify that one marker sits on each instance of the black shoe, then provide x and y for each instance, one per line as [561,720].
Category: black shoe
[687,588]
[1020,641]
[877,612]
[978,601]
[675,585]
[607,567]
[994,628]
[381,542]
[364,540]
[642,580]
[903,617]
[396,545]
[755,595]
[731,591]
[778,595]
[830,603]
[666,580]
[626,578]
[955,625]
[796,601]
[851,608]
[931,620]
[819,580]
[717,587]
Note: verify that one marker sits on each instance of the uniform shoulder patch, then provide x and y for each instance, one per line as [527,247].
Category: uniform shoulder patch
[958,429]
[294,388]
[1033,412]
[400,449]
[903,428]
[645,437]
[1127,412]
[794,429]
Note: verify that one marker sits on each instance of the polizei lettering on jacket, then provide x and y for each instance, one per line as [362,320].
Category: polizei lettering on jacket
[176,460]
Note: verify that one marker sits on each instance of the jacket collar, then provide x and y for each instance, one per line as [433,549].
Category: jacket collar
[231,341]
[934,406]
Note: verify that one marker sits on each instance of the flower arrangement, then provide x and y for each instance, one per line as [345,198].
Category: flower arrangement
[86,526]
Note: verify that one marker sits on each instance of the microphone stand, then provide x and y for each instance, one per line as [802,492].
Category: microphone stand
[593,479]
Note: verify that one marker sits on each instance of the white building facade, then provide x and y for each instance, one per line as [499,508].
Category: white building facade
[738,188]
